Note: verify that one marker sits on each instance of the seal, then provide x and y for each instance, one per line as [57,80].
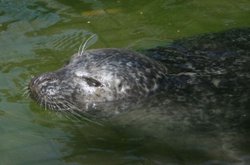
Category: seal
[201,70]
[97,76]
[193,92]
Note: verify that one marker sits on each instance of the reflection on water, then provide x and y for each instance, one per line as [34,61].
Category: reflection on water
[39,36]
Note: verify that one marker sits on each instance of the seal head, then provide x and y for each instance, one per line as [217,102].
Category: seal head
[98,76]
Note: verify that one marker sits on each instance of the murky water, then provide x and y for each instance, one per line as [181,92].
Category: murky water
[37,36]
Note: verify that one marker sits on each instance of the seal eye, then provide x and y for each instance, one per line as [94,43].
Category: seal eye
[92,82]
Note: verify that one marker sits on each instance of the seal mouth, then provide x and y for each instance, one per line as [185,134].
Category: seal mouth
[37,84]
[42,90]
[38,90]
[45,90]
[32,89]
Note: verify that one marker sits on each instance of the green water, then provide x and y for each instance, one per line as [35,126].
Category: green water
[39,36]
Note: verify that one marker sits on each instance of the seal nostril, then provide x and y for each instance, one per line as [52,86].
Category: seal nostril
[32,90]
[36,84]
[32,84]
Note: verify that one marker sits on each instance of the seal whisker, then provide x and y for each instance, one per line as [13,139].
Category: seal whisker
[58,107]
[80,48]
[26,92]
[61,106]
[83,46]
[49,106]
[67,109]
[45,104]
[71,107]
[65,114]
[79,112]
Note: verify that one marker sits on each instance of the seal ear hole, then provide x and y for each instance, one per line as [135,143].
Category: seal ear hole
[92,82]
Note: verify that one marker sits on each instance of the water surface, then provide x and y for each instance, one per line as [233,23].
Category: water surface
[38,36]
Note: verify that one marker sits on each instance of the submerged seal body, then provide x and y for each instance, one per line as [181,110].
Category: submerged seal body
[97,76]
